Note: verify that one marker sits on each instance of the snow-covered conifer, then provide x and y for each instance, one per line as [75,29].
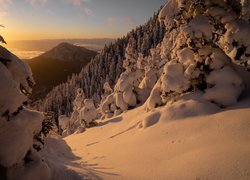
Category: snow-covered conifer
[18,124]
[203,40]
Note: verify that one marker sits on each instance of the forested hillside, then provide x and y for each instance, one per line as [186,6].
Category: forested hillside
[54,66]
[106,66]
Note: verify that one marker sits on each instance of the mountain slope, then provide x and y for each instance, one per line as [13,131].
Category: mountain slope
[106,66]
[54,66]
[68,52]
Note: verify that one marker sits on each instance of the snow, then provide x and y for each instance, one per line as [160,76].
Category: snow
[201,25]
[37,169]
[227,86]
[18,124]
[63,121]
[84,113]
[218,59]
[173,78]
[13,75]
[88,112]
[9,88]
[169,11]
[150,120]
[20,130]
[191,108]
[120,102]
[186,56]
[189,139]
[106,103]
[129,96]
[194,123]
[155,97]
[79,100]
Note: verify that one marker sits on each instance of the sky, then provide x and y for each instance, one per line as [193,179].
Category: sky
[59,19]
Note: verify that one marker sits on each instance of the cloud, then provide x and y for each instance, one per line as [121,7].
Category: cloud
[26,54]
[80,4]
[87,11]
[77,2]
[123,20]
[5,6]
[37,3]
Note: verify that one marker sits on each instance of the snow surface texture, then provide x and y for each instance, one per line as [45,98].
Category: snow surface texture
[171,142]
[18,125]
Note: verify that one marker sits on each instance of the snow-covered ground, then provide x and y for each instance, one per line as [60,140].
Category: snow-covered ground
[178,141]
[191,100]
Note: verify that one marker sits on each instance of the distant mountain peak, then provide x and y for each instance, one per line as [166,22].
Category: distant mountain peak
[54,66]
[68,45]
[68,52]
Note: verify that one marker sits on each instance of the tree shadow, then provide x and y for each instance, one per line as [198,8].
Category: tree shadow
[65,164]
[112,120]
[126,130]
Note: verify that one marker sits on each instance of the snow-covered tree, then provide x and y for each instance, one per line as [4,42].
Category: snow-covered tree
[204,40]
[151,66]
[88,113]
[19,158]
[125,87]
[83,115]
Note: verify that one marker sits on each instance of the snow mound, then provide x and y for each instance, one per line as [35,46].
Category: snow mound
[227,86]
[151,120]
[186,109]
[188,105]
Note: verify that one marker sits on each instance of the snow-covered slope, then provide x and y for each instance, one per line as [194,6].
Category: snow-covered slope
[174,142]
[185,104]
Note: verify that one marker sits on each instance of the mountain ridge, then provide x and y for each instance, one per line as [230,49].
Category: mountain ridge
[54,66]
[67,52]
